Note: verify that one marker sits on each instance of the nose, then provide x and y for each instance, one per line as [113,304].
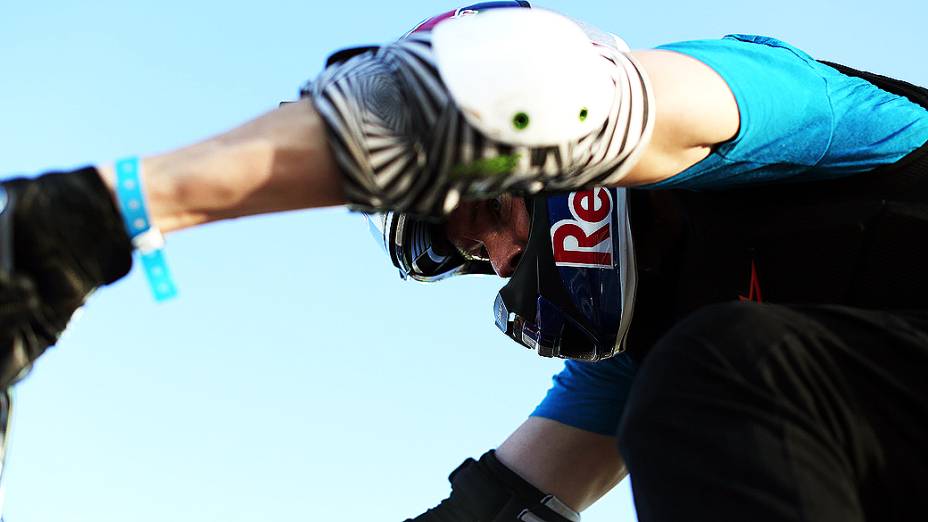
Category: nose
[505,252]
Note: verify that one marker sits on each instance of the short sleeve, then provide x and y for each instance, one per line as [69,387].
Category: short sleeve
[786,115]
[590,396]
[800,119]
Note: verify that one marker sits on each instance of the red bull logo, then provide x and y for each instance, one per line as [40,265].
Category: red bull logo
[585,239]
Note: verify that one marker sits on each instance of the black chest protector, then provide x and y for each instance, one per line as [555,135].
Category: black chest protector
[859,241]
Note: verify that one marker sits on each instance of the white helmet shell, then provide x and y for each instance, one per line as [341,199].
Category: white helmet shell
[524,76]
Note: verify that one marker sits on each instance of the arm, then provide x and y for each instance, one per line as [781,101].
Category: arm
[61,235]
[405,156]
[545,471]
[575,465]
[281,160]
[276,162]
[546,457]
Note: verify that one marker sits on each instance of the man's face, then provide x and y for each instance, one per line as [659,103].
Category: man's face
[495,230]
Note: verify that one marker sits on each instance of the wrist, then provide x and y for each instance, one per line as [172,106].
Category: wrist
[169,196]
[160,195]
[486,489]
[279,161]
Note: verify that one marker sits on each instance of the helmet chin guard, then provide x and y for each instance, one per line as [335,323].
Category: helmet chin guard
[572,294]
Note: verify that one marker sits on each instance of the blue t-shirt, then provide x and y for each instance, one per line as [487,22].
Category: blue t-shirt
[590,396]
[799,119]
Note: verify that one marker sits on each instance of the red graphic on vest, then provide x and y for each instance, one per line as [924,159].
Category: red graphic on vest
[586,240]
[754,288]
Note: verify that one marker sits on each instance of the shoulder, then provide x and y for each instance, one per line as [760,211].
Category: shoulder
[695,111]
[590,395]
[735,96]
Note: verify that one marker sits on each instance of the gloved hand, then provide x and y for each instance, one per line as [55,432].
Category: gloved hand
[488,491]
[61,237]
[510,100]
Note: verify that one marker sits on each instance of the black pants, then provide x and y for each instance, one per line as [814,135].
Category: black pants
[755,412]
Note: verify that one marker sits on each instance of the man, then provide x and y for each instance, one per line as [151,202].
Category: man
[669,117]
[796,441]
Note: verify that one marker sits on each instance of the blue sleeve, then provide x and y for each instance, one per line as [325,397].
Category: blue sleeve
[590,396]
[799,118]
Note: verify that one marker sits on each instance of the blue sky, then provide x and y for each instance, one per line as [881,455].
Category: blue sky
[296,378]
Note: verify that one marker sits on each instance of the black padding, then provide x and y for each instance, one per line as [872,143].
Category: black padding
[62,237]
[486,490]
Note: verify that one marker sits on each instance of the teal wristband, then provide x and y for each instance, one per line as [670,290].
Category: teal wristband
[147,239]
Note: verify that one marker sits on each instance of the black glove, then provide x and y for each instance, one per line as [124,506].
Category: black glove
[61,237]
[487,491]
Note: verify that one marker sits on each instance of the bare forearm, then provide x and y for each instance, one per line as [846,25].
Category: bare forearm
[278,161]
[574,465]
